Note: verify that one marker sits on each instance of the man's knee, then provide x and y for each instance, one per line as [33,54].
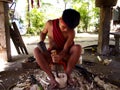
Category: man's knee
[77,48]
[36,50]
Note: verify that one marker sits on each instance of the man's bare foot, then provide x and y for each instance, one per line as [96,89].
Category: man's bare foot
[72,81]
[53,84]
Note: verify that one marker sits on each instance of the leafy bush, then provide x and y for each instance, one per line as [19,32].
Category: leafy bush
[36,21]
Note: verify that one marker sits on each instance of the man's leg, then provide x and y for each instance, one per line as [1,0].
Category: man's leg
[44,65]
[75,53]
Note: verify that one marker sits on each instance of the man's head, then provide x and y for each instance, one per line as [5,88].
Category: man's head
[71,18]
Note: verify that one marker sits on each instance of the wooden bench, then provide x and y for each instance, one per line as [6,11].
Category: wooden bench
[117,40]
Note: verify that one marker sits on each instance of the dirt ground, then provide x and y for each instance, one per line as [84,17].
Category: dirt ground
[12,72]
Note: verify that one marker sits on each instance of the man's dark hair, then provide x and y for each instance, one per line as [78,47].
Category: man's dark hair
[71,17]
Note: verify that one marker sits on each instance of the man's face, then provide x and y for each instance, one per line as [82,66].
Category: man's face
[63,26]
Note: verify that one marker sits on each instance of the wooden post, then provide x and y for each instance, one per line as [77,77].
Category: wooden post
[5,52]
[104,31]
[103,40]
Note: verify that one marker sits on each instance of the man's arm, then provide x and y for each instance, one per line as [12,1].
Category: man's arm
[44,32]
[42,36]
[68,43]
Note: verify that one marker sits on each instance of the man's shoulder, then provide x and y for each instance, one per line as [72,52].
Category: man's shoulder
[71,33]
[50,22]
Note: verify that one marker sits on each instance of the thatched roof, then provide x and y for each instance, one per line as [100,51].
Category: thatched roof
[100,3]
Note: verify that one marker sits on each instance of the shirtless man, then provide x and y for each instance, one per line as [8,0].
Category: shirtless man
[65,25]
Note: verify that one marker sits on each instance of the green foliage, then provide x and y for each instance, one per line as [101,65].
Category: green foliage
[97,12]
[21,21]
[84,12]
[31,31]
[89,13]
[37,21]
[97,17]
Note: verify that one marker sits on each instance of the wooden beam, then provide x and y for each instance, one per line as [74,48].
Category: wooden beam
[6,1]
[5,52]
[103,40]
[106,3]
[7,31]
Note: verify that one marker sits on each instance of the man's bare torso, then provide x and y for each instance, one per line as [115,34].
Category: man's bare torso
[49,30]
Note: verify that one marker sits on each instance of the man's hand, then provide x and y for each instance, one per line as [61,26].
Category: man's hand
[62,54]
[41,45]
[56,58]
